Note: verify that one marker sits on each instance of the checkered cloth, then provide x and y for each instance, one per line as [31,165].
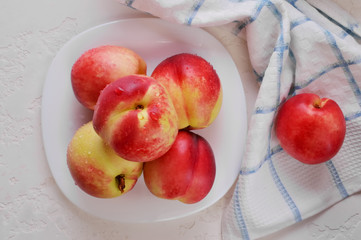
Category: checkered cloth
[294,46]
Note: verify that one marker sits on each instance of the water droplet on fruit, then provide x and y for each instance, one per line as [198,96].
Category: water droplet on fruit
[140,116]
[118,90]
[154,115]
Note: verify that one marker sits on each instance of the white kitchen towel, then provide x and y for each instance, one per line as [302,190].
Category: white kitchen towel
[294,46]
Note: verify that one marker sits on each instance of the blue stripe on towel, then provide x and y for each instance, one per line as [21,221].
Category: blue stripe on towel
[129,3]
[346,30]
[264,110]
[298,22]
[292,58]
[353,116]
[292,2]
[336,179]
[280,49]
[273,151]
[345,66]
[238,214]
[253,17]
[196,6]
[281,188]
[259,76]
[275,11]
[291,204]
[328,69]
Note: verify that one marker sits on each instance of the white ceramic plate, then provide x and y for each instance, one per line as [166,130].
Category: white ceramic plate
[154,40]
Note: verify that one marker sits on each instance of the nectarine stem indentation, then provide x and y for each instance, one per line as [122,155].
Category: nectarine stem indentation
[120,179]
[320,102]
[139,107]
[317,103]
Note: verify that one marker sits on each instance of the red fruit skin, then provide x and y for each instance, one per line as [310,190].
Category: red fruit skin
[310,129]
[185,173]
[94,166]
[194,86]
[136,117]
[99,66]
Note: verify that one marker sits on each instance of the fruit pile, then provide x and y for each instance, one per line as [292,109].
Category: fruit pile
[143,124]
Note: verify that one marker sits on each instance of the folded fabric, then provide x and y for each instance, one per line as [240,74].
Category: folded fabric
[294,46]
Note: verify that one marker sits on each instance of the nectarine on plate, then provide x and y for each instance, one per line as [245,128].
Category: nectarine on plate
[154,40]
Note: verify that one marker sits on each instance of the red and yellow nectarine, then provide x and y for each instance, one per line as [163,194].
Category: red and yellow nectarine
[99,66]
[96,168]
[194,86]
[136,117]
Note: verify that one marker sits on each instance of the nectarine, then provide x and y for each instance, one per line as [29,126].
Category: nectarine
[96,168]
[185,173]
[136,117]
[194,86]
[310,129]
[99,66]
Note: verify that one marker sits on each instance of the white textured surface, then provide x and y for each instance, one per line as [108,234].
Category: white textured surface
[31,205]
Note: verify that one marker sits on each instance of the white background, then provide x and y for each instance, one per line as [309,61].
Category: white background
[31,204]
